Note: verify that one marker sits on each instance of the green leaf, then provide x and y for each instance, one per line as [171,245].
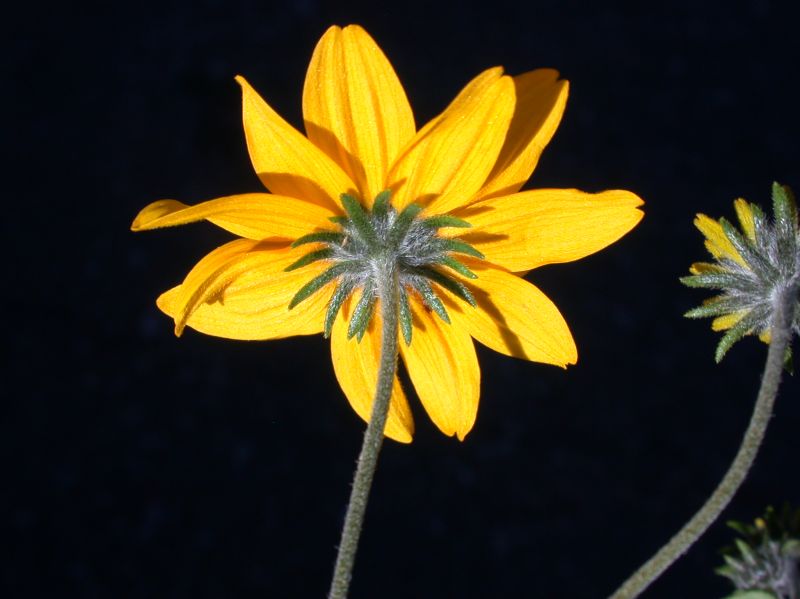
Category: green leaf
[359,219]
[459,247]
[461,269]
[712,280]
[736,332]
[362,312]
[453,286]
[381,204]
[315,256]
[319,237]
[717,307]
[318,282]
[432,300]
[445,220]
[402,223]
[744,247]
[343,290]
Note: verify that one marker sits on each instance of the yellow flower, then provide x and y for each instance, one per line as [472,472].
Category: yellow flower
[361,146]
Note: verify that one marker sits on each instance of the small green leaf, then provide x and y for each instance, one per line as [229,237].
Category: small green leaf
[359,219]
[736,332]
[454,264]
[432,300]
[322,254]
[362,312]
[319,282]
[455,287]
[381,204]
[712,280]
[402,223]
[343,290]
[445,220]
[319,237]
[459,247]
[746,250]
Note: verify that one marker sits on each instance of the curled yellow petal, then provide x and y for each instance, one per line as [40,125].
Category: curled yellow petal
[284,159]
[251,215]
[540,102]
[513,317]
[448,162]
[717,243]
[356,366]
[355,108]
[241,291]
[545,226]
[443,366]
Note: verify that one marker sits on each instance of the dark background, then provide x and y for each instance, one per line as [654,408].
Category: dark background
[140,465]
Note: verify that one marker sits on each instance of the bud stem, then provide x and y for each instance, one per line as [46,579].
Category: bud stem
[781,334]
[388,290]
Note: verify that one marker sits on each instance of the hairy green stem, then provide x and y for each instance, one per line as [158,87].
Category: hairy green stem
[781,333]
[387,284]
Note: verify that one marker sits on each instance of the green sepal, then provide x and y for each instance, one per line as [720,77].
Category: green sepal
[453,286]
[455,265]
[717,306]
[362,312]
[785,210]
[432,300]
[319,282]
[359,219]
[405,315]
[339,220]
[712,280]
[784,204]
[343,290]
[746,551]
[315,256]
[381,204]
[319,237]
[746,250]
[403,222]
[459,247]
[445,220]
[734,334]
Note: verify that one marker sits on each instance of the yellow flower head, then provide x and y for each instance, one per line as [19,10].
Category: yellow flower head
[443,203]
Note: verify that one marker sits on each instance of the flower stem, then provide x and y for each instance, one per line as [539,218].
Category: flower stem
[781,332]
[388,290]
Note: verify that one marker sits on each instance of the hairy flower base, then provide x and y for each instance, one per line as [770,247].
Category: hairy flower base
[371,243]
[751,267]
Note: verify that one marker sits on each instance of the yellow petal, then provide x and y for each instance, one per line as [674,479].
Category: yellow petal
[515,318]
[241,291]
[541,99]
[545,226]
[745,213]
[442,364]
[251,215]
[355,108]
[726,321]
[448,162]
[285,161]
[717,243]
[356,367]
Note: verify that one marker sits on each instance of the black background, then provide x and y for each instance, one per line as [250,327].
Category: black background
[137,465]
